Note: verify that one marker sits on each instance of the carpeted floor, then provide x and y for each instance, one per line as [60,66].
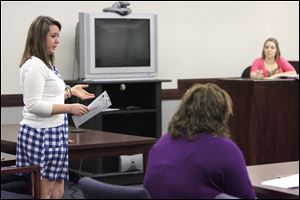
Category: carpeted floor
[72,191]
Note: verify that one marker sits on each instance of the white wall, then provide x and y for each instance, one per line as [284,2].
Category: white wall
[168,108]
[11,115]
[195,39]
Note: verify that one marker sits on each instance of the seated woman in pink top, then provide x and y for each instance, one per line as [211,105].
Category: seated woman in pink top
[271,64]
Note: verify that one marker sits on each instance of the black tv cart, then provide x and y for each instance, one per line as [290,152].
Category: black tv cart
[138,112]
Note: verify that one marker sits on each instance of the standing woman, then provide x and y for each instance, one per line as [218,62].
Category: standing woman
[271,64]
[43,134]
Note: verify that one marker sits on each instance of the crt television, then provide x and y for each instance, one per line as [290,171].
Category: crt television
[114,46]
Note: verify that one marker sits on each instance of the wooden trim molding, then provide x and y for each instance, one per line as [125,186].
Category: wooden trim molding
[16,100]
[12,100]
[183,85]
[166,94]
[170,94]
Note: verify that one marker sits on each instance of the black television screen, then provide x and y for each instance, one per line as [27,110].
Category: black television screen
[121,43]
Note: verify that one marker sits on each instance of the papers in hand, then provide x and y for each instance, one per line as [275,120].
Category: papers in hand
[284,182]
[101,103]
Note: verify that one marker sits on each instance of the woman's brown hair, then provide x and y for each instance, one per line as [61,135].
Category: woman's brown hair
[36,40]
[203,108]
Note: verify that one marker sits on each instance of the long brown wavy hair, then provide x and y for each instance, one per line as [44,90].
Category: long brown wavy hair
[203,108]
[36,40]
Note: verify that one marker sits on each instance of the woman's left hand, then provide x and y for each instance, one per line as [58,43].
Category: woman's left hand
[79,92]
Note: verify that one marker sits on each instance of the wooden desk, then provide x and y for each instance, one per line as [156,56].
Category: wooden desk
[266,119]
[259,173]
[265,124]
[7,159]
[88,144]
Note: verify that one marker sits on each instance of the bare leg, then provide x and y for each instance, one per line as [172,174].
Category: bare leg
[47,187]
[58,190]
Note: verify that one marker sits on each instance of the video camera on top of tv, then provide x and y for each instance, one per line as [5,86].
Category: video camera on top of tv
[119,7]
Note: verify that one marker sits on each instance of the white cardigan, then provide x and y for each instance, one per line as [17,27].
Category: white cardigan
[41,88]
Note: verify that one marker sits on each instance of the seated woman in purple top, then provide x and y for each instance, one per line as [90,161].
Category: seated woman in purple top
[196,158]
[271,64]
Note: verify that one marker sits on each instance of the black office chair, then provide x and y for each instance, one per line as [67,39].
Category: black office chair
[16,184]
[94,189]
[246,72]
[295,65]
[16,188]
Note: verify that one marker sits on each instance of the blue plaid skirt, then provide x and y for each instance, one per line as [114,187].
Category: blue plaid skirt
[46,147]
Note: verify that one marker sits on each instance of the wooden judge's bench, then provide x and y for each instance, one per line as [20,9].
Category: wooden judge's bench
[265,124]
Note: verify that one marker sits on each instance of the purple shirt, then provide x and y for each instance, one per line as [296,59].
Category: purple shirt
[202,168]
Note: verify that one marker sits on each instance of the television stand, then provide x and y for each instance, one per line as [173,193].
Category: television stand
[138,112]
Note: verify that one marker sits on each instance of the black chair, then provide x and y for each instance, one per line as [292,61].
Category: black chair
[94,189]
[295,65]
[246,72]
[16,184]
[14,189]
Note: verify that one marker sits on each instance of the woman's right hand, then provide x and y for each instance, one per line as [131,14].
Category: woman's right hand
[259,74]
[78,109]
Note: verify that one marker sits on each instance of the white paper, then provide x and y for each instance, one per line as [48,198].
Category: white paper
[296,76]
[101,103]
[284,182]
